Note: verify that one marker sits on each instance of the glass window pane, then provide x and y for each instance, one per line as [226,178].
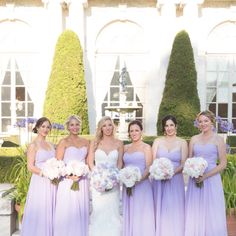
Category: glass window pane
[114,94]
[211,79]
[130,94]
[223,110]
[29,98]
[7,78]
[19,80]
[20,108]
[234,122]
[20,93]
[6,125]
[115,78]
[234,110]
[30,109]
[6,109]
[212,107]
[6,93]
[234,97]
[211,95]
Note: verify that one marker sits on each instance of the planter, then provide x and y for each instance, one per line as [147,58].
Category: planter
[231,222]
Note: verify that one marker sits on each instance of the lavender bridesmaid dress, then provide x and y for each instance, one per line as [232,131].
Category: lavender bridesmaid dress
[72,209]
[138,209]
[205,206]
[169,199]
[40,204]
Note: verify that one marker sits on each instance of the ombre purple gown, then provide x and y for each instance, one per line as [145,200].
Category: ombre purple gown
[72,208]
[138,209]
[39,209]
[169,199]
[205,206]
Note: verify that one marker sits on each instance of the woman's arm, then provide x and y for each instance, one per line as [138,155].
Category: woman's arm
[91,155]
[60,150]
[148,159]
[154,148]
[31,152]
[184,155]
[120,155]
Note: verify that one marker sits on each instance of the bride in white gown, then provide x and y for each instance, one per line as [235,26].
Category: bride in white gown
[105,219]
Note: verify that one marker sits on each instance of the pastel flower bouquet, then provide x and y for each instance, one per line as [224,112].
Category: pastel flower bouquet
[104,177]
[195,167]
[53,169]
[161,169]
[129,176]
[76,168]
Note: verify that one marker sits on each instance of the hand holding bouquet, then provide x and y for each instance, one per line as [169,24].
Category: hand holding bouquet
[195,167]
[161,169]
[53,170]
[76,168]
[129,176]
[104,177]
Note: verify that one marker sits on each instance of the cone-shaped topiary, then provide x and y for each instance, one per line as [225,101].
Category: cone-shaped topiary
[180,97]
[66,92]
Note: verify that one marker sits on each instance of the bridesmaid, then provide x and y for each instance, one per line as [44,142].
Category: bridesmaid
[72,209]
[40,204]
[169,194]
[205,207]
[138,209]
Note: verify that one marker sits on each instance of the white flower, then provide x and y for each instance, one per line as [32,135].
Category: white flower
[130,175]
[195,167]
[104,177]
[77,168]
[53,169]
[161,169]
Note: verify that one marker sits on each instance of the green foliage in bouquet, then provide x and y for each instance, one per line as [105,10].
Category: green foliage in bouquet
[229,183]
[66,92]
[180,97]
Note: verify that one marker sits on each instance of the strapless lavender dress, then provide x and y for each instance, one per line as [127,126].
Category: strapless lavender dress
[205,206]
[72,208]
[39,209]
[169,199]
[138,209]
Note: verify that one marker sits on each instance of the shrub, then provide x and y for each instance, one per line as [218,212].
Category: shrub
[66,92]
[180,97]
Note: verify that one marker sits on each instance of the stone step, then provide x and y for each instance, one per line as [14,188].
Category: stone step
[16,233]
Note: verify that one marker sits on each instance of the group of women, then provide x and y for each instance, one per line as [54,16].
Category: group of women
[155,208]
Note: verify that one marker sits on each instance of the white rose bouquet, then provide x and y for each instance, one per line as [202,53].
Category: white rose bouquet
[53,170]
[76,168]
[195,167]
[104,177]
[129,176]
[161,169]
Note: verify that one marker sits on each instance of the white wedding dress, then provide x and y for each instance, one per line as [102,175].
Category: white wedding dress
[105,218]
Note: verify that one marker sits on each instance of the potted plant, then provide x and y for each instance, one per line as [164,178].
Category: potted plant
[229,185]
[20,176]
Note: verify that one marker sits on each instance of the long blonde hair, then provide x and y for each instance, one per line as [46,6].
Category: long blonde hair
[99,134]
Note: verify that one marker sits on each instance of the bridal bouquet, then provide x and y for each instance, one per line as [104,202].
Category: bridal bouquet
[161,169]
[76,168]
[195,167]
[129,176]
[104,177]
[53,170]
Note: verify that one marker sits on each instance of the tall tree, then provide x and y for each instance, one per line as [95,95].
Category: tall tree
[180,96]
[66,92]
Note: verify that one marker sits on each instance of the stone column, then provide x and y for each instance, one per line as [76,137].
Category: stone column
[191,8]
[76,20]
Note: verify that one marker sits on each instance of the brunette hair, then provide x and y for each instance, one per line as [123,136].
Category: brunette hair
[135,122]
[165,119]
[39,123]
